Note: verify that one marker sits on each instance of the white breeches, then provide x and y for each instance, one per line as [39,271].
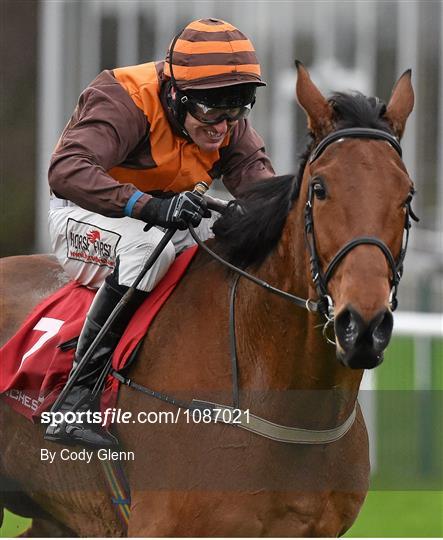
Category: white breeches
[87,246]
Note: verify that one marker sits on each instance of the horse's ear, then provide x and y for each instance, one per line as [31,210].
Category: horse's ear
[401,104]
[316,107]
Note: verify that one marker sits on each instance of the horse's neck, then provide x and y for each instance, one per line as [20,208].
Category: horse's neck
[281,345]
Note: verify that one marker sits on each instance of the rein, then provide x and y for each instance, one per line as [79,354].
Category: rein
[323,305]
[308,304]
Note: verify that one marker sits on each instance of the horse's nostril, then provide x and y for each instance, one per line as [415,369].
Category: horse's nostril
[348,325]
[362,343]
[354,334]
[381,327]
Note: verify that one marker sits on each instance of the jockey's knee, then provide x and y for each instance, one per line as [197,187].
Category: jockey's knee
[132,262]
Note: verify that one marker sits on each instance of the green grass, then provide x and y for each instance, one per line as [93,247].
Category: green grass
[400,514]
[384,514]
[13,525]
[409,421]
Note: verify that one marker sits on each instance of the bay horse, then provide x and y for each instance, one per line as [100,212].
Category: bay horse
[195,478]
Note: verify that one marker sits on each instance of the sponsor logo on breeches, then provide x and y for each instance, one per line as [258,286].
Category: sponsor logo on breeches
[91,244]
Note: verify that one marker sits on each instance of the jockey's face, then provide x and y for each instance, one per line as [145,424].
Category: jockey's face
[207,137]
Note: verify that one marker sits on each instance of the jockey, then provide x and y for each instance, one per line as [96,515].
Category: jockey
[139,140]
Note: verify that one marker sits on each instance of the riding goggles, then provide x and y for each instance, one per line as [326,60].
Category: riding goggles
[215,115]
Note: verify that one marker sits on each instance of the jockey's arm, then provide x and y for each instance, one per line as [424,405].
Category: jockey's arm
[105,127]
[244,160]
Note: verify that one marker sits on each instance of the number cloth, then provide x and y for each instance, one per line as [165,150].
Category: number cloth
[34,369]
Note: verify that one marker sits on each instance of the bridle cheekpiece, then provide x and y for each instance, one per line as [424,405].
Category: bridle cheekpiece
[320,278]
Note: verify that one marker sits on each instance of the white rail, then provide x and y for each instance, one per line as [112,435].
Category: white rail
[409,323]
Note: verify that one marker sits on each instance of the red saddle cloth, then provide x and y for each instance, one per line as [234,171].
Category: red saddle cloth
[34,369]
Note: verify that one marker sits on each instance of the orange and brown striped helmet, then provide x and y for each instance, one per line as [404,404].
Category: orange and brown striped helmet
[210,53]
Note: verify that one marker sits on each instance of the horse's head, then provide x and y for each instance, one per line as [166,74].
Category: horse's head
[358,202]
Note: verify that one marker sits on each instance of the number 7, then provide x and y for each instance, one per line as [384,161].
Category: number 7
[48,325]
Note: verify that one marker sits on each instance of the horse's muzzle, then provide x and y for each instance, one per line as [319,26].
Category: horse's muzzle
[360,344]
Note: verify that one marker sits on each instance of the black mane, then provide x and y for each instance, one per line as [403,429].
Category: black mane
[246,239]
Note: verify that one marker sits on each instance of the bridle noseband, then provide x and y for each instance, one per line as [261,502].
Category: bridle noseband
[320,278]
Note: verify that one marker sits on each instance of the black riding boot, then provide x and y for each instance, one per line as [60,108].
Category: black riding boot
[79,398]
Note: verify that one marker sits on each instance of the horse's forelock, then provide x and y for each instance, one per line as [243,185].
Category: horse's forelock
[357,110]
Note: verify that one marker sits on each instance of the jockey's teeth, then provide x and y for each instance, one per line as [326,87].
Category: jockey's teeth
[214,135]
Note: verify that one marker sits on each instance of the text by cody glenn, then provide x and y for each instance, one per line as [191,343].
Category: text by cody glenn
[85,456]
[117,416]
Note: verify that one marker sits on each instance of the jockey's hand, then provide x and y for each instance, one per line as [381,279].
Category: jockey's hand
[179,211]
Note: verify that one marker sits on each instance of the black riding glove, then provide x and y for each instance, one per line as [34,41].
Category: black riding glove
[179,211]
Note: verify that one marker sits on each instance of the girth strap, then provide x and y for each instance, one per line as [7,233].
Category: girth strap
[276,432]
[246,420]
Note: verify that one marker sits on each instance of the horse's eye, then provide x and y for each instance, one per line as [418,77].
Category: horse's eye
[319,190]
